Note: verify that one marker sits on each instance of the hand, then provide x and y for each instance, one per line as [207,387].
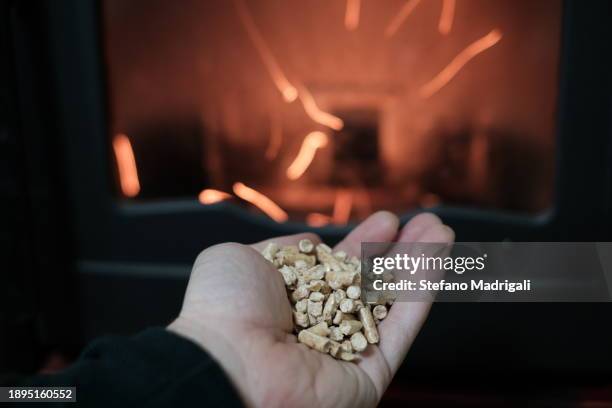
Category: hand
[236,308]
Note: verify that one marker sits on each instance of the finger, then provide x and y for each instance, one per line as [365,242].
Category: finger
[416,226]
[401,326]
[379,365]
[378,227]
[412,231]
[287,240]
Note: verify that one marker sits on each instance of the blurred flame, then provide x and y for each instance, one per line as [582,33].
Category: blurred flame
[317,219]
[446,17]
[126,164]
[260,201]
[429,200]
[351,18]
[316,114]
[211,196]
[342,207]
[459,61]
[400,17]
[342,211]
[276,136]
[312,142]
[288,91]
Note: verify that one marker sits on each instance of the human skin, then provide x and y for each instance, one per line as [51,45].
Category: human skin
[236,308]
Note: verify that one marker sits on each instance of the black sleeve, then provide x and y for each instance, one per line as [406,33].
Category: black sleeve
[155,368]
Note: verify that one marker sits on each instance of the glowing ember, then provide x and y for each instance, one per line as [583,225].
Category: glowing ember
[260,201]
[458,62]
[400,17]
[316,114]
[342,207]
[276,136]
[351,18]
[126,164]
[312,142]
[318,219]
[446,17]
[211,196]
[288,91]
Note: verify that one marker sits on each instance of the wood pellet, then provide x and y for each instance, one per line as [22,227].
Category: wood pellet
[324,290]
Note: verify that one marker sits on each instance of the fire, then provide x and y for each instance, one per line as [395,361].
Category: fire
[211,196]
[342,207]
[458,62]
[316,114]
[281,82]
[126,164]
[276,136]
[342,211]
[260,201]
[318,220]
[446,17]
[351,18]
[400,17]
[312,142]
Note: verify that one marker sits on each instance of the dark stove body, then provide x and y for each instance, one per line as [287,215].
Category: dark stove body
[118,267]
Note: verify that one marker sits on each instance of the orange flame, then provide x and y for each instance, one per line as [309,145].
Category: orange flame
[317,219]
[458,62]
[446,17]
[316,114]
[260,201]
[281,82]
[351,18]
[211,196]
[400,17]
[312,142]
[342,211]
[342,207]
[126,164]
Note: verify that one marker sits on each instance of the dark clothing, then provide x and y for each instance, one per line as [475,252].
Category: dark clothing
[155,368]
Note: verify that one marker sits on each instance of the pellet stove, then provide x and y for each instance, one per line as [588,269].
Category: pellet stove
[154,129]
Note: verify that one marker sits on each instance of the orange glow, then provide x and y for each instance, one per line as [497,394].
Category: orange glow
[316,114]
[288,91]
[312,142]
[211,196]
[351,18]
[342,211]
[429,200]
[446,17]
[458,62]
[318,219]
[276,136]
[400,17]
[342,207]
[126,164]
[260,201]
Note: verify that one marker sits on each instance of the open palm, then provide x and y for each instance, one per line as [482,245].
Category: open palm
[236,307]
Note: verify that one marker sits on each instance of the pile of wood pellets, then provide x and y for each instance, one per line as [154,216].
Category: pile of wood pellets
[324,290]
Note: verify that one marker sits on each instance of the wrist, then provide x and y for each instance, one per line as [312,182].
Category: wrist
[219,346]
